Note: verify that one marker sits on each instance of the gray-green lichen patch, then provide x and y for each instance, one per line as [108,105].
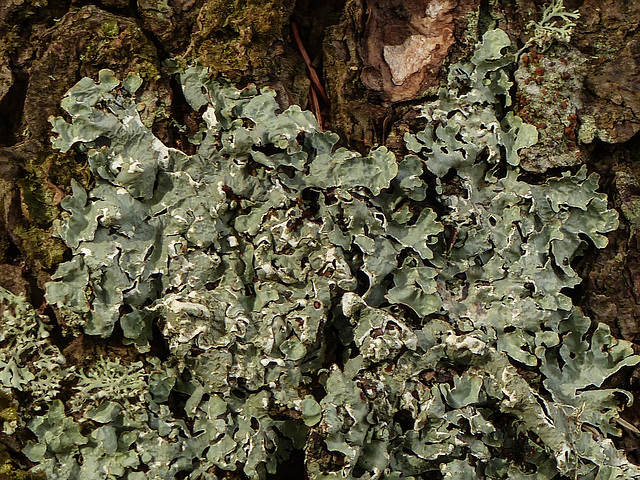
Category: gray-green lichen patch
[556,24]
[28,360]
[310,302]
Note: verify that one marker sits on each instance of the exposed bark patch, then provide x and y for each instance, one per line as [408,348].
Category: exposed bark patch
[354,115]
[6,76]
[613,288]
[171,22]
[608,33]
[404,45]
[11,279]
[614,86]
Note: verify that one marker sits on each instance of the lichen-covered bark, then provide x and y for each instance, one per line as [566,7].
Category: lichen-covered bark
[375,58]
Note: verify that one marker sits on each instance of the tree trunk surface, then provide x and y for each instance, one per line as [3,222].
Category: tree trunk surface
[376,60]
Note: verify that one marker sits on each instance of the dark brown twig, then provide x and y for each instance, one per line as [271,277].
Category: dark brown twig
[313,75]
[315,106]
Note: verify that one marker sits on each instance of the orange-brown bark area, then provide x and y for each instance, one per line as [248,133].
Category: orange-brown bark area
[405,44]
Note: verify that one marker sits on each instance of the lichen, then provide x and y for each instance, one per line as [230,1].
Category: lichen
[309,300]
[29,362]
[556,24]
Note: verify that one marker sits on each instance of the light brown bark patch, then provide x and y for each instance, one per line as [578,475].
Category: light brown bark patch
[405,44]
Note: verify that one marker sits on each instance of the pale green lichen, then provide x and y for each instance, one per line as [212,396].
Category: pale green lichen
[28,360]
[250,253]
[555,24]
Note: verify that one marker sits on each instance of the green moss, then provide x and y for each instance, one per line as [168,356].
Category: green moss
[38,202]
[163,7]
[109,48]
[235,39]
[11,40]
[8,408]
[9,470]
[110,28]
[59,169]
[41,190]
[39,246]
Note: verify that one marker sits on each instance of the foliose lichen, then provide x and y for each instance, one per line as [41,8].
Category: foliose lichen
[311,301]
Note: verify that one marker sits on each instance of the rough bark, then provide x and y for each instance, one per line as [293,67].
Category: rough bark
[376,58]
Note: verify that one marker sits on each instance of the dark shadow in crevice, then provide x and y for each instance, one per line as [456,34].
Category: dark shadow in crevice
[56,334]
[604,157]
[12,109]
[485,17]
[12,253]
[291,469]
[335,350]
[159,345]
[128,11]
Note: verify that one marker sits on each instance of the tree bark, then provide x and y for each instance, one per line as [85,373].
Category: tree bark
[376,61]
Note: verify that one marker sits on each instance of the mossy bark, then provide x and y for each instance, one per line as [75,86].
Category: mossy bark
[584,97]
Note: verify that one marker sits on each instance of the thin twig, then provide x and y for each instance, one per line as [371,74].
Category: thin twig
[315,106]
[313,75]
